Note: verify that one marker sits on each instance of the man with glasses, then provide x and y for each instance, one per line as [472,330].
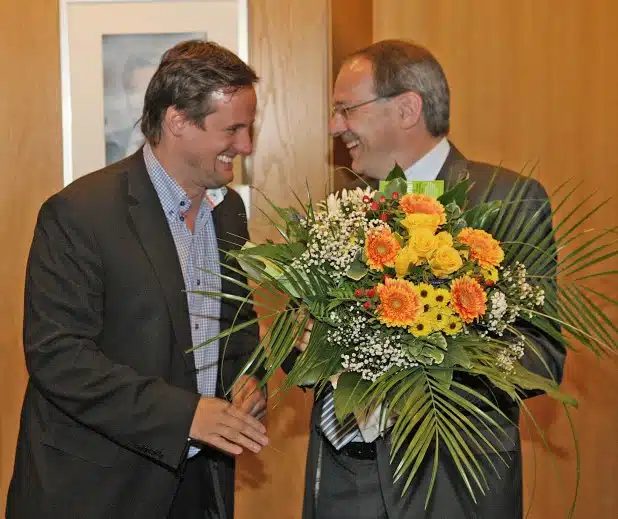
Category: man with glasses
[391,106]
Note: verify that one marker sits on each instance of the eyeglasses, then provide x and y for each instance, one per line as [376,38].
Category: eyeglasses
[344,111]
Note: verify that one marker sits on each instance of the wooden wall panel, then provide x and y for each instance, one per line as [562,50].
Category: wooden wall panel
[536,81]
[352,29]
[289,48]
[30,152]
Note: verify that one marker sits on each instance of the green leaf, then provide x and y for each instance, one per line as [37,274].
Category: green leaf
[482,215]
[443,376]
[349,393]
[453,210]
[273,251]
[432,355]
[458,194]
[396,173]
[437,339]
[458,225]
[356,271]
[311,377]
[398,185]
[412,347]
[456,355]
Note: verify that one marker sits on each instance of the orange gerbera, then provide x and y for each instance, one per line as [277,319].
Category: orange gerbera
[484,248]
[400,304]
[468,298]
[381,249]
[424,204]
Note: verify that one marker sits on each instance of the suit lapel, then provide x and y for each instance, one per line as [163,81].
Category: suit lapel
[453,166]
[153,232]
[220,216]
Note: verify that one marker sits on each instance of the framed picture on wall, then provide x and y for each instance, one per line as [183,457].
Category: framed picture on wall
[110,50]
[129,62]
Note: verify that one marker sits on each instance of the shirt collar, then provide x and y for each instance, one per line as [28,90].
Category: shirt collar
[173,197]
[428,167]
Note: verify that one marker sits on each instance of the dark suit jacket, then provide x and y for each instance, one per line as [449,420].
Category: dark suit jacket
[112,393]
[450,499]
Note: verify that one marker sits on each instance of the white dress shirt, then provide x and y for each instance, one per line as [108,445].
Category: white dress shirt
[428,166]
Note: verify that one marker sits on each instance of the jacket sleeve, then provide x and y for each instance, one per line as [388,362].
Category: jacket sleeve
[64,323]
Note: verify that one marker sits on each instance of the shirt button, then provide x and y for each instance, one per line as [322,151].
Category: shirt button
[197,326]
[182,203]
[182,218]
[198,282]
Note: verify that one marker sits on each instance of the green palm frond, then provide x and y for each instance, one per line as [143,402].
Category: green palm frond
[564,252]
[436,416]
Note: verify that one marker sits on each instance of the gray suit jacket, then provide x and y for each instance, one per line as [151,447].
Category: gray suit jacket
[450,499]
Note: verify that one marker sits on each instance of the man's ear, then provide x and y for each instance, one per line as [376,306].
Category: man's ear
[175,120]
[410,106]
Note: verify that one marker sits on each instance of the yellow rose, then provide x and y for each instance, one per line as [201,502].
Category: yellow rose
[444,261]
[422,241]
[421,221]
[404,259]
[444,239]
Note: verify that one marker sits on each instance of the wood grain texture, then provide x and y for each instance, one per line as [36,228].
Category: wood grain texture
[290,51]
[289,48]
[30,149]
[536,81]
[352,29]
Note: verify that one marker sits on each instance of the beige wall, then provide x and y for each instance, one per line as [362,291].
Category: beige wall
[536,80]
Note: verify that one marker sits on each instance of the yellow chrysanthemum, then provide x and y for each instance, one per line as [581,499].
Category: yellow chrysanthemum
[400,303]
[490,274]
[453,325]
[438,317]
[421,221]
[405,258]
[444,261]
[444,239]
[425,292]
[468,298]
[423,242]
[441,296]
[423,204]
[484,248]
[381,249]
[421,327]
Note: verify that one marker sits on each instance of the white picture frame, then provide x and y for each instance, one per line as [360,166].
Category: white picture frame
[84,24]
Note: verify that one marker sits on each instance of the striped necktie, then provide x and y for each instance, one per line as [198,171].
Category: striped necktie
[338,434]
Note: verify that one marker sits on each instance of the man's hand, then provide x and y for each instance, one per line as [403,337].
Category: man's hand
[248,397]
[224,426]
[303,342]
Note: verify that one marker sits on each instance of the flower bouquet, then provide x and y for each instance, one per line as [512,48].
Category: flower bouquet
[414,295]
